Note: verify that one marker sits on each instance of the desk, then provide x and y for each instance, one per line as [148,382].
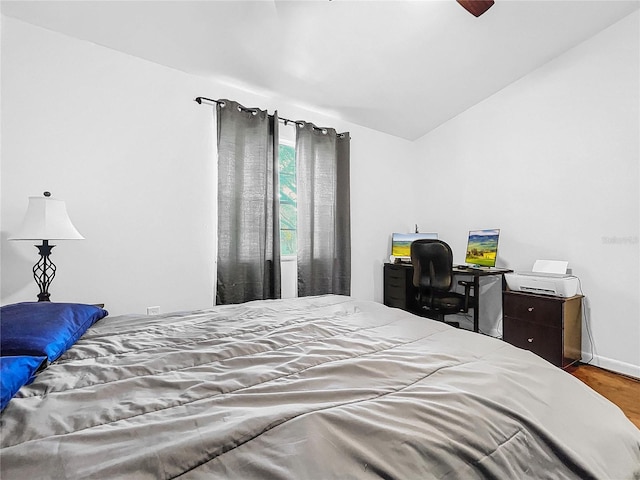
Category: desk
[399,291]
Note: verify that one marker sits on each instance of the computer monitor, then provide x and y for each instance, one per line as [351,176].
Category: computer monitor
[401,244]
[482,247]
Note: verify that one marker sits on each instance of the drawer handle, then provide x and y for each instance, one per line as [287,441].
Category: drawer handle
[530,309]
[530,340]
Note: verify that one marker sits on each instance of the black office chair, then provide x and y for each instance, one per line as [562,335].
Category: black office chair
[433,277]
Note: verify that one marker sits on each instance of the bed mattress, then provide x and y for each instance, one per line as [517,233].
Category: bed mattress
[310,388]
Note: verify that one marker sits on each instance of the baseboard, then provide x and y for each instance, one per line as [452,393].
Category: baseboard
[613,365]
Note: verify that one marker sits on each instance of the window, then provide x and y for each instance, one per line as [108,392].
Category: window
[288,210]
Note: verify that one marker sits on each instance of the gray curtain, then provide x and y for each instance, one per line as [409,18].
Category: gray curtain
[248,208]
[324,221]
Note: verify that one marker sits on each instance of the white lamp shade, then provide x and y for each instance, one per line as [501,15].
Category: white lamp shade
[46,219]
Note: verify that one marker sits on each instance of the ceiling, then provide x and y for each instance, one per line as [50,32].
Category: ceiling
[400,67]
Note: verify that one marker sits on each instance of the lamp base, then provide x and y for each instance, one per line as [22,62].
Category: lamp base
[44,297]
[44,271]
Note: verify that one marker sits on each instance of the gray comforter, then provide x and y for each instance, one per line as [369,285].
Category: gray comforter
[320,388]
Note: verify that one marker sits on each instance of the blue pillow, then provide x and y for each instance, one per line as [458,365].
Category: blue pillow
[44,328]
[16,372]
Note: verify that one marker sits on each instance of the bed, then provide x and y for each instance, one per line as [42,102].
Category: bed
[310,388]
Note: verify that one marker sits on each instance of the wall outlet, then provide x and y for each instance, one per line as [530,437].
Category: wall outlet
[153,310]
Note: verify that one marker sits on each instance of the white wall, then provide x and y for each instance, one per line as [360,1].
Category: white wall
[121,140]
[553,160]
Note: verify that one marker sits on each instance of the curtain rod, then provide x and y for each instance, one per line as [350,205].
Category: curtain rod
[286,121]
[217,102]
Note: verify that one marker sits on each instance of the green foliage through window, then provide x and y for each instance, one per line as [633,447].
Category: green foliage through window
[288,211]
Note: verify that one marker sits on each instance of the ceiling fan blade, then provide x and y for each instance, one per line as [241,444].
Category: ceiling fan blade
[476,7]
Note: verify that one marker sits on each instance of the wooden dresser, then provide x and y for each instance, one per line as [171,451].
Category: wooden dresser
[548,326]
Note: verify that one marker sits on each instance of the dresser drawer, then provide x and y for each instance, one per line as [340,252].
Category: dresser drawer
[535,309]
[395,285]
[396,301]
[395,295]
[540,339]
[395,274]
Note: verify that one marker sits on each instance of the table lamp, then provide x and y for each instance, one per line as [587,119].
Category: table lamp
[46,219]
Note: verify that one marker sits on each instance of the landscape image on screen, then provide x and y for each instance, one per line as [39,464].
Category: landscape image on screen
[482,247]
[401,242]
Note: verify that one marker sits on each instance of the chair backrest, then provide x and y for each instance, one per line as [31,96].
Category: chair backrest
[432,264]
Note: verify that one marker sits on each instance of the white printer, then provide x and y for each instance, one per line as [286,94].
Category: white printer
[548,277]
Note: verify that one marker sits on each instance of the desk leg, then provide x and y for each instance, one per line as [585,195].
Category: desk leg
[476,303]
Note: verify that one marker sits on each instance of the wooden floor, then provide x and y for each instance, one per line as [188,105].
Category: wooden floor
[619,389]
